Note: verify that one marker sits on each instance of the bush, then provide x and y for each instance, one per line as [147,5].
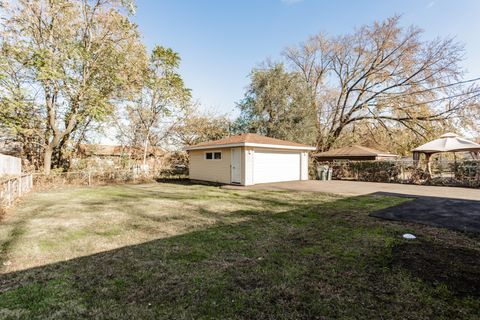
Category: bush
[468,172]
[376,171]
[373,171]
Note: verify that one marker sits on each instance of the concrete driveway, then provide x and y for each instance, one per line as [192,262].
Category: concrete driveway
[448,207]
[356,188]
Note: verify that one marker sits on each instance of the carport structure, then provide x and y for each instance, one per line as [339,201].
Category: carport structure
[354,153]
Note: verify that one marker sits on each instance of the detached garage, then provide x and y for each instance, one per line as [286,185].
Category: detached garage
[249,159]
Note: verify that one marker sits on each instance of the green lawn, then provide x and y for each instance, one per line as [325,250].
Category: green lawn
[190,251]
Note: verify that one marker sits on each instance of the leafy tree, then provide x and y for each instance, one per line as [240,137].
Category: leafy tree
[20,118]
[197,128]
[159,105]
[277,104]
[69,60]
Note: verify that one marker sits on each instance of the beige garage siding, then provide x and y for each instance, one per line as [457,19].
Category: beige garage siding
[210,170]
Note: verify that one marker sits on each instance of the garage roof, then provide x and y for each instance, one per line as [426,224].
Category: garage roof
[354,151]
[251,140]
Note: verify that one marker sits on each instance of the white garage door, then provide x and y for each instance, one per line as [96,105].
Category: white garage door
[276,166]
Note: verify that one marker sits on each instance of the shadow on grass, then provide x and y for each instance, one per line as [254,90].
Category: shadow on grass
[326,260]
[455,214]
[188,182]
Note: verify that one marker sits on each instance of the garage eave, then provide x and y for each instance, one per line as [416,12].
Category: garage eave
[249,144]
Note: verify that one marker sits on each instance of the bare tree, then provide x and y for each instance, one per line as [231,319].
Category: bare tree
[385,74]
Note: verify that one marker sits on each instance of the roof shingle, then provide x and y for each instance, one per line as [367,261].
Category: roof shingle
[248,138]
[354,151]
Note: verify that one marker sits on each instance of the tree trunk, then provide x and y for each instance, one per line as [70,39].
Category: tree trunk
[47,159]
[331,139]
[145,150]
[48,153]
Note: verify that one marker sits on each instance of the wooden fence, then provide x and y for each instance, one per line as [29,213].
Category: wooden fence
[10,166]
[13,188]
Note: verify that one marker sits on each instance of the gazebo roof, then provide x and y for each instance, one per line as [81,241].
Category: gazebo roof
[449,142]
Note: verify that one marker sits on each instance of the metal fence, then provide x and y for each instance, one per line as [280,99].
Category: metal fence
[101,177]
[13,188]
[464,173]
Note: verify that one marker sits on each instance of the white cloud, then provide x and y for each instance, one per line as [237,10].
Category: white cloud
[431,4]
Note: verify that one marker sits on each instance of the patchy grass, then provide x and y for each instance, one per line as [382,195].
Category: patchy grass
[192,251]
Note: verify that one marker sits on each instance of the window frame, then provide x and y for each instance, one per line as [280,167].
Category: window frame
[213,155]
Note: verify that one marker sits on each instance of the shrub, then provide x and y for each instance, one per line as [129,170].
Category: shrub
[467,172]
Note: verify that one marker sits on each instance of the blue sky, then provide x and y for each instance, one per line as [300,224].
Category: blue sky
[220,41]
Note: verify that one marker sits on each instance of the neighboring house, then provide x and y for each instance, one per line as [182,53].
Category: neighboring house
[10,147]
[354,153]
[248,159]
[102,151]
[107,151]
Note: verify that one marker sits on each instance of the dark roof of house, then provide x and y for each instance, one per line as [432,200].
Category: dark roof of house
[101,150]
[116,150]
[10,148]
[246,138]
[353,151]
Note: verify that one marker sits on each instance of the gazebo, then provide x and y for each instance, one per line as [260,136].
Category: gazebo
[449,142]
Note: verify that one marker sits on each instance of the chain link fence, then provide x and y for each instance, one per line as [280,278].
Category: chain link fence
[464,173]
[101,177]
[13,187]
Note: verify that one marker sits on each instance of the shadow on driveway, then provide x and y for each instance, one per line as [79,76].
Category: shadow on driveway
[455,214]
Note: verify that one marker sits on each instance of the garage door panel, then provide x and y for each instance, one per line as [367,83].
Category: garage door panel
[276,166]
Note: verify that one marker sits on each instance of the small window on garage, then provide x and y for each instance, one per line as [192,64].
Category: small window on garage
[213,155]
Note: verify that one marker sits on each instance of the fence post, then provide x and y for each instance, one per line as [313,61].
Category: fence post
[89,178]
[9,192]
[19,186]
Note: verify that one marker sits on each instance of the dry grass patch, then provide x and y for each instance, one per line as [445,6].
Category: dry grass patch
[63,224]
